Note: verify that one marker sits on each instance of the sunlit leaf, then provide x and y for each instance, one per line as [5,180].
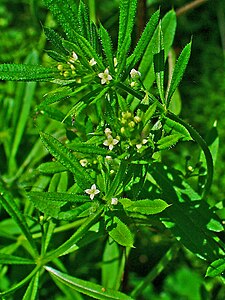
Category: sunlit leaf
[86,287]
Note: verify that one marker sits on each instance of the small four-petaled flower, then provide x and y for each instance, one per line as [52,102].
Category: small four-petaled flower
[134,74]
[105,76]
[110,142]
[92,62]
[114,201]
[92,191]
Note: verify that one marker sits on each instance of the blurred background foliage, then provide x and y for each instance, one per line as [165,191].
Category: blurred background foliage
[202,94]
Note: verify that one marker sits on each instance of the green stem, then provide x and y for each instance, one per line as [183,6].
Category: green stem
[91,4]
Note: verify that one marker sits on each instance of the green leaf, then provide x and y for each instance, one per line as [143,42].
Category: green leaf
[178,72]
[118,230]
[93,290]
[56,40]
[89,149]
[216,268]
[84,48]
[168,25]
[7,259]
[168,141]
[147,207]
[51,168]
[158,60]
[82,210]
[58,197]
[8,202]
[111,265]
[59,94]
[126,23]
[67,159]
[56,56]
[32,290]
[118,180]
[20,283]
[187,217]
[107,47]
[149,113]
[65,13]
[144,39]
[66,247]
[176,128]
[84,21]
[93,96]
[47,206]
[22,72]
[21,111]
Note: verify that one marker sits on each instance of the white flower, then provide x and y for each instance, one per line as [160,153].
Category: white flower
[115,61]
[108,131]
[105,76]
[108,157]
[144,141]
[73,58]
[84,162]
[135,74]
[110,142]
[114,201]
[92,191]
[92,62]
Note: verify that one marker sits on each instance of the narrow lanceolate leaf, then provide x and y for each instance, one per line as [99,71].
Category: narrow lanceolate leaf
[57,95]
[32,290]
[178,72]
[7,201]
[118,180]
[84,21]
[158,61]
[216,268]
[149,113]
[107,47]
[147,207]
[118,230]
[93,290]
[87,50]
[89,149]
[65,16]
[59,197]
[67,159]
[20,72]
[8,259]
[56,40]
[144,39]
[111,265]
[126,21]
[53,203]
[51,168]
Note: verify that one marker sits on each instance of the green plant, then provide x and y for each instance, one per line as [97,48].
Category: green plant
[106,178]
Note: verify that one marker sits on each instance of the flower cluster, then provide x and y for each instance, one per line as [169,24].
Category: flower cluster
[72,68]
